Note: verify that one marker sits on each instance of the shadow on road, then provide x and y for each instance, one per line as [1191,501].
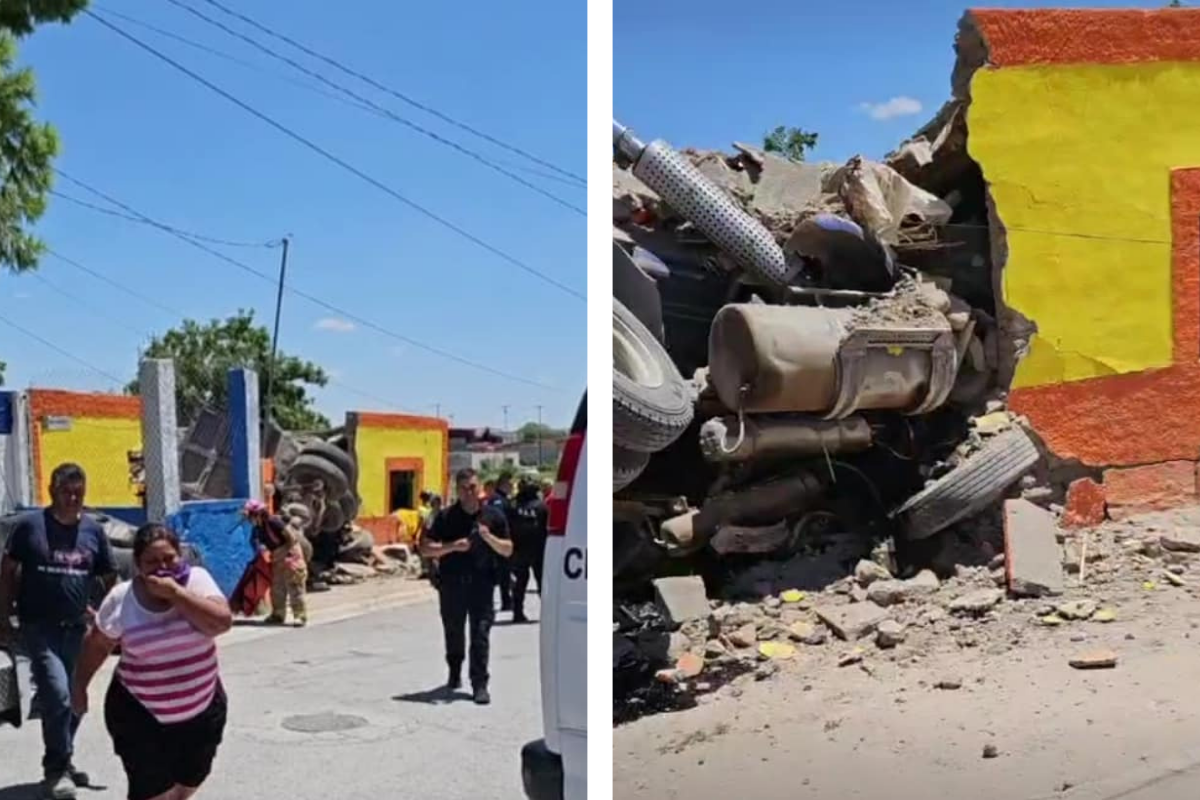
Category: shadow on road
[24,791]
[433,697]
[250,622]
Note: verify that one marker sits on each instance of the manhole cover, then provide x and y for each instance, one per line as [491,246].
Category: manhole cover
[323,723]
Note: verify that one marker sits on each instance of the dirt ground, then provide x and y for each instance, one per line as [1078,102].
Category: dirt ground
[1022,723]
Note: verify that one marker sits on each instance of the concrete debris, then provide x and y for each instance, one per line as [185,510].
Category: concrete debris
[867,572]
[1182,540]
[977,602]
[1031,552]
[681,599]
[745,636]
[852,622]
[827,313]
[890,633]
[882,201]
[1077,609]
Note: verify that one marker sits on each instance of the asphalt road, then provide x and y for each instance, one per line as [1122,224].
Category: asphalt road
[376,672]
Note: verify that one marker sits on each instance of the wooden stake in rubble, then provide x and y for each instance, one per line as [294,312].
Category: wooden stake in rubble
[1083,559]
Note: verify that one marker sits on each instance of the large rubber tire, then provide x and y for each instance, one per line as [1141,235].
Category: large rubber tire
[972,486]
[652,404]
[627,465]
[309,467]
[334,455]
[333,520]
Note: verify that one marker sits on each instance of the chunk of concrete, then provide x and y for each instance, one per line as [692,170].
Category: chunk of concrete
[852,622]
[681,598]
[1032,557]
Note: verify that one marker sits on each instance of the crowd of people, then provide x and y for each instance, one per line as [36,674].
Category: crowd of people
[165,707]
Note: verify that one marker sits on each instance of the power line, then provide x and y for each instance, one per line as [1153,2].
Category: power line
[393,92]
[378,108]
[229,57]
[101,276]
[291,134]
[88,305]
[211,240]
[63,351]
[366,323]
[301,84]
[177,314]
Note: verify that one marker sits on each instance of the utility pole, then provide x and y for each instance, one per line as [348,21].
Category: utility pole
[539,437]
[266,418]
[437,410]
[505,410]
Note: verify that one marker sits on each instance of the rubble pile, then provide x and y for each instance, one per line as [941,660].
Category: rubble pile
[873,619]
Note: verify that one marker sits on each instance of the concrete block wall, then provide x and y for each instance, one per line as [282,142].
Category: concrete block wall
[1112,376]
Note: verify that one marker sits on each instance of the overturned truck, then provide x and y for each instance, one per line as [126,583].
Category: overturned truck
[804,351]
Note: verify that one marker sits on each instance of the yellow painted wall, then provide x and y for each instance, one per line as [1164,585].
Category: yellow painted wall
[100,445]
[1087,149]
[375,445]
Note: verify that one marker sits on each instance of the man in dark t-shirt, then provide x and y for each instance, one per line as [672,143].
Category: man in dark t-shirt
[50,562]
[468,539]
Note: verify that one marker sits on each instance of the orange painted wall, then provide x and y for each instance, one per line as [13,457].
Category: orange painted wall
[103,429]
[1139,417]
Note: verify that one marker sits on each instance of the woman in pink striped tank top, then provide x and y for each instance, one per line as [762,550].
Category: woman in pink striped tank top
[165,708]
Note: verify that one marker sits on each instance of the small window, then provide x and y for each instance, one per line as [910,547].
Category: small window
[402,489]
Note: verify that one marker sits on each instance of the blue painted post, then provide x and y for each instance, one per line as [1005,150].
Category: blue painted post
[160,441]
[245,432]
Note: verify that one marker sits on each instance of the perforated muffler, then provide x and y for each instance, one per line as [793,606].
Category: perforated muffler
[701,202]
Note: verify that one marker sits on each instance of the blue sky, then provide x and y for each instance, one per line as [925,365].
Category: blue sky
[864,75]
[133,127]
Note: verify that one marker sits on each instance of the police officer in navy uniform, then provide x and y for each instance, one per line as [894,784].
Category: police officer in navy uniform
[468,539]
[528,521]
[501,498]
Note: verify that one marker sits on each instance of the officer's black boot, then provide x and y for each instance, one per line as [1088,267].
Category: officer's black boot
[481,695]
[454,681]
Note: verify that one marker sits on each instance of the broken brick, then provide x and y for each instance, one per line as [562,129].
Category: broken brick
[1085,505]
[1032,558]
[1154,487]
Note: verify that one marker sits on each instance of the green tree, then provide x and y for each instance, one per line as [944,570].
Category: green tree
[27,147]
[529,432]
[1174,4]
[791,143]
[3,367]
[204,354]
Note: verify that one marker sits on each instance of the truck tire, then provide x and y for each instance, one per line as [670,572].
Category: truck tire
[349,503]
[652,404]
[627,465]
[970,487]
[311,467]
[334,455]
[333,520]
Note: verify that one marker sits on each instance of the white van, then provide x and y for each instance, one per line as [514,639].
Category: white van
[555,768]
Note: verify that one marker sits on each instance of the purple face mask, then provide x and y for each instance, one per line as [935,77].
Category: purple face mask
[180,573]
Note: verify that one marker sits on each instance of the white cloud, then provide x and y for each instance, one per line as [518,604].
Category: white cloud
[334,324]
[900,106]
[399,350]
[21,295]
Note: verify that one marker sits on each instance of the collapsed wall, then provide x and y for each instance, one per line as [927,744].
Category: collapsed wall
[1068,156]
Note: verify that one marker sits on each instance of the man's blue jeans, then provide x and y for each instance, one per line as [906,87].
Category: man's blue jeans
[53,651]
